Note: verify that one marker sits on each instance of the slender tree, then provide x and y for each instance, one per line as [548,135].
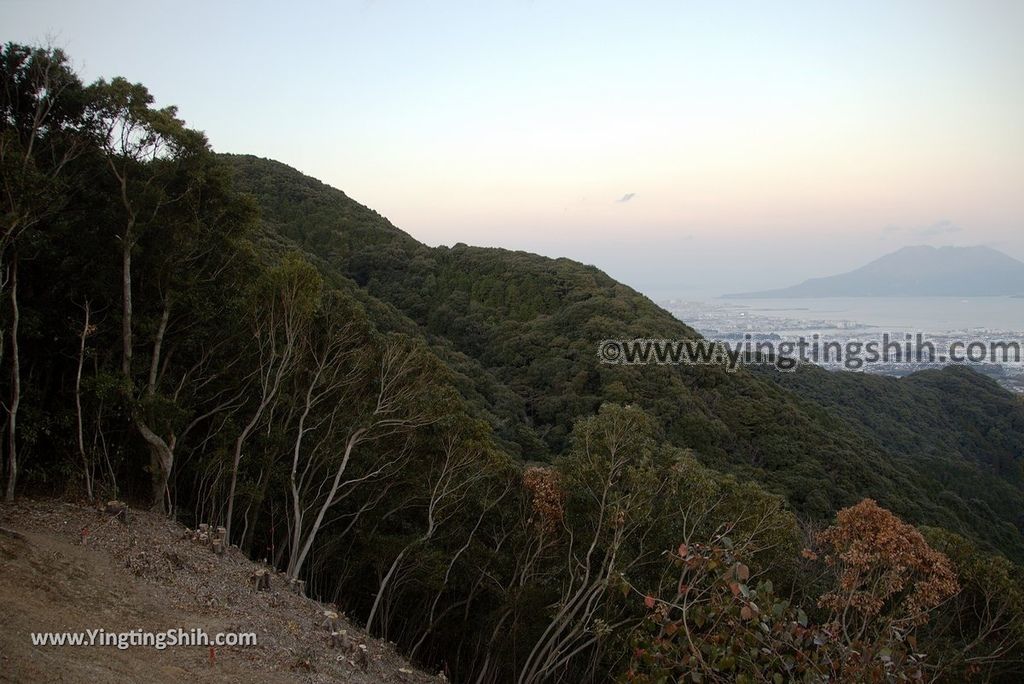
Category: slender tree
[285,304]
[42,132]
[385,398]
[449,483]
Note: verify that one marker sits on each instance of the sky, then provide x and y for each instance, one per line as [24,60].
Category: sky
[686,148]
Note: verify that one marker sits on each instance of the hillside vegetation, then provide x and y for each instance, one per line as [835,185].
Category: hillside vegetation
[531,325]
[425,436]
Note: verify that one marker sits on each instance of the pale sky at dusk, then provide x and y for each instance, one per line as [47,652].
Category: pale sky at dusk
[755,144]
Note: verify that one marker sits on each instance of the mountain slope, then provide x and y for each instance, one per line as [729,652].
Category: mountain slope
[523,331]
[959,427]
[150,575]
[917,272]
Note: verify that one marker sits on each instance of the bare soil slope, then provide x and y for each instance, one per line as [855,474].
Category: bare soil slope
[150,574]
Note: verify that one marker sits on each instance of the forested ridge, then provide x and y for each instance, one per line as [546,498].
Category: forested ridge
[426,437]
[532,324]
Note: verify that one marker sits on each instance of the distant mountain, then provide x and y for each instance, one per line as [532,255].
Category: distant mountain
[921,271]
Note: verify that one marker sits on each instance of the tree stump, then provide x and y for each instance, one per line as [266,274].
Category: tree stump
[218,541]
[363,657]
[331,621]
[261,579]
[117,509]
[339,639]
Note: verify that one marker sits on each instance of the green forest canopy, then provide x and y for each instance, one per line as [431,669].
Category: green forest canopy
[236,343]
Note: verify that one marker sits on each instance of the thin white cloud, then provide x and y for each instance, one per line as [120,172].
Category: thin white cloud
[941,227]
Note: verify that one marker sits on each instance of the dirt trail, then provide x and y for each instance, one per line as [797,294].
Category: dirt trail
[149,574]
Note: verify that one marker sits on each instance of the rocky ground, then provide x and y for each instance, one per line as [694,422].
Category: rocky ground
[152,574]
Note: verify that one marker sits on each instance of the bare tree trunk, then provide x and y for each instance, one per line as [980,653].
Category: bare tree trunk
[99,443]
[154,363]
[12,409]
[250,532]
[86,465]
[489,650]
[303,551]
[447,491]
[160,476]
[268,396]
[393,388]
[126,303]
[161,462]
[577,604]
[385,582]
[161,459]
[235,461]
[161,456]
[433,618]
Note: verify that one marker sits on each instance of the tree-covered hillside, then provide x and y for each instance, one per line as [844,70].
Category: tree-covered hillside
[961,431]
[532,326]
[426,438]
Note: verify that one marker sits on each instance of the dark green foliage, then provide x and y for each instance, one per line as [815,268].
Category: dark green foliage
[959,433]
[981,629]
[581,476]
[523,330]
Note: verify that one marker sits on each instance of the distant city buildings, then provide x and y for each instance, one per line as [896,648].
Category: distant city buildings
[732,322]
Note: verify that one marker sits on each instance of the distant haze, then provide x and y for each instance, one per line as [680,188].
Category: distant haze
[680,146]
[921,271]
